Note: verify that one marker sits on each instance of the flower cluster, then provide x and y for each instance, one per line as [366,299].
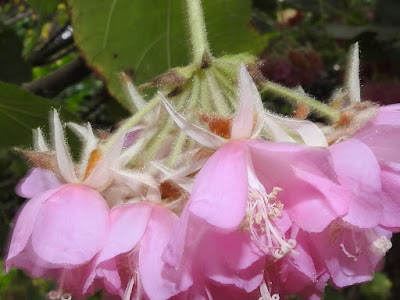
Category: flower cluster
[258,206]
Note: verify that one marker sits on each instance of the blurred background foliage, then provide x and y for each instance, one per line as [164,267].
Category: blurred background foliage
[67,55]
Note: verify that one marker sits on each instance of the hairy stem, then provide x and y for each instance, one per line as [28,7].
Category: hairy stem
[320,108]
[198,33]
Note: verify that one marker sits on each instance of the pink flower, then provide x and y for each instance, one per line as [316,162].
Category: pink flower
[59,231]
[368,166]
[382,135]
[254,186]
[37,181]
[350,254]
[299,273]
[130,263]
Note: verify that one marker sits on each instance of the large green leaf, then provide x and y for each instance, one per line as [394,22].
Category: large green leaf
[13,67]
[147,38]
[44,7]
[20,111]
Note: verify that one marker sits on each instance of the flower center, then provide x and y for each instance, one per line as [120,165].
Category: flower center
[262,209]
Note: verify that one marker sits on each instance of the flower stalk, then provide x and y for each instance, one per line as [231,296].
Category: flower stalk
[198,33]
[322,109]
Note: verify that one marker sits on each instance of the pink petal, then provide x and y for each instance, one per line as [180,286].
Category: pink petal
[128,224]
[159,280]
[310,193]
[220,192]
[173,252]
[71,226]
[391,200]
[25,224]
[359,171]
[37,181]
[231,259]
[384,140]
[347,253]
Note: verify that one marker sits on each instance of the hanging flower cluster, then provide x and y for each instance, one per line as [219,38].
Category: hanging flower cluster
[190,201]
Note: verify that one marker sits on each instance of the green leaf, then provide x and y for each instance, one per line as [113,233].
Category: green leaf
[378,288]
[147,38]
[13,68]
[20,112]
[384,33]
[44,7]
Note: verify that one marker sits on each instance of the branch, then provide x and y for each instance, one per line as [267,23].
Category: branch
[41,57]
[54,83]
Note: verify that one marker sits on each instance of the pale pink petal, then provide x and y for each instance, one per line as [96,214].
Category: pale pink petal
[231,259]
[391,200]
[35,182]
[71,226]
[128,223]
[159,280]
[104,276]
[173,252]
[307,179]
[348,253]
[384,141]
[242,124]
[358,170]
[25,224]
[220,192]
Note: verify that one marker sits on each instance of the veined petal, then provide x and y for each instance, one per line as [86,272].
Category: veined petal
[159,280]
[64,161]
[358,170]
[37,181]
[202,136]
[71,226]
[25,224]
[352,75]
[220,191]
[391,202]
[307,180]
[242,125]
[128,224]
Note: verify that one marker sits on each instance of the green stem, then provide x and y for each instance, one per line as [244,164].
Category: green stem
[181,140]
[291,95]
[198,33]
[133,121]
